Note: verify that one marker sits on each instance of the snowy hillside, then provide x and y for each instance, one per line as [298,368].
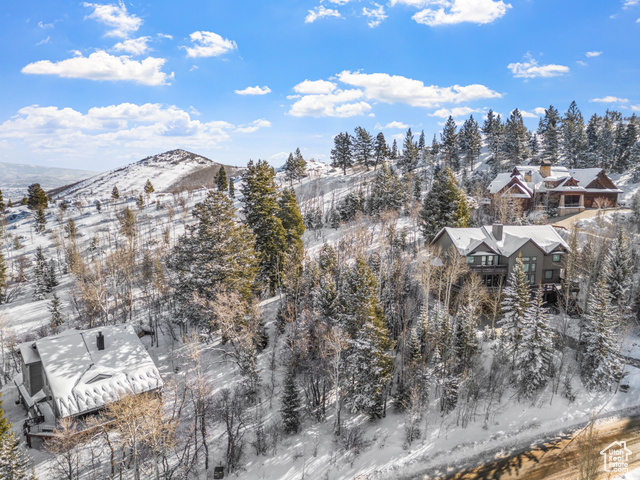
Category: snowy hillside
[165,171]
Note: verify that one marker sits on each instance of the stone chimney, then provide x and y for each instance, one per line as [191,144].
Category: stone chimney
[545,168]
[496,229]
[100,341]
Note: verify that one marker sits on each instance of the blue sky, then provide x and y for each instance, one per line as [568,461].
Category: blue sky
[98,85]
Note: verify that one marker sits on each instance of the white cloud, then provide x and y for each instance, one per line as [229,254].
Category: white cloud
[127,126]
[44,26]
[279,156]
[540,111]
[315,87]
[134,46]
[254,90]
[165,35]
[375,15]
[397,89]
[340,103]
[635,108]
[453,112]
[254,126]
[116,17]
[321,12]
[631,3]
[526,114]
[102,66]
[593,54]
[580,62]
[46,40]
[530,69]
[391,126]
[609,99]
[338,2]
[460,11]
[209,44]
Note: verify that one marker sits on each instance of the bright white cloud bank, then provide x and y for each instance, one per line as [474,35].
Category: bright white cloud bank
[209,44]
[134,46]
[254,90]
[450,12]
[101,65]
[127,126]
[530,69]
[116,17]
[322,98]
[610,99]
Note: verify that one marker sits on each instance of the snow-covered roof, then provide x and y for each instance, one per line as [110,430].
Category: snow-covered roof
[514,237]
[83,378]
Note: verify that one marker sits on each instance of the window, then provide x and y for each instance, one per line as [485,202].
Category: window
[532,279]
[533,267]
[548,274]
[556,257]
[471,259]
[525,267]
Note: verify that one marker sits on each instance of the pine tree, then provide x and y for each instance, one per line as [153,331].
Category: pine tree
[14,461]
[70,229]
[534,149]
[292,221]
[387,191]
[394,151]
[128,224]
[216,255]
[3,280]
[5,426]
[260,199]
[574,140]
[515,140]
[50,280]
[2,205]
[40,273]
[56,314]
[515,306]
[449,148]
[221,179]
[536,352]
[341,153]
[444,205]
[40,221]
[435,147]
[300,164]
[634,161]
[140,202]
[148,187]
[37,199]
[466,341]
[290,406]
[363,147]
[600,366]
[493,132]
[470,142]
[409,152]
[290,169]
[380,150]
[606,141]
[619,263]
[549,131]
[592,133]
[98,206]
[115,194]
[232,190]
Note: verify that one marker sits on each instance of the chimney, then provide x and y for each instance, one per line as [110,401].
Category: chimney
[545,168]
[527,176]
[100,341]
[496,229]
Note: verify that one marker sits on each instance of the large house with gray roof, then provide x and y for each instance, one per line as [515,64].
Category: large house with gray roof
[568,191]
[491,252]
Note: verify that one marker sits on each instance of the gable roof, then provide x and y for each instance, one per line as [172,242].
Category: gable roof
[83,378]
[514,237]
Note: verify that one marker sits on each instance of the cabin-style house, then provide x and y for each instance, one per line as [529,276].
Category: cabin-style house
[568,191]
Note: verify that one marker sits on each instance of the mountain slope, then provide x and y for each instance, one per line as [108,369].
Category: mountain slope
[15,178]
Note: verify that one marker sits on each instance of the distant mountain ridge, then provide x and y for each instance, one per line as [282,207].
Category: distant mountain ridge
[16,177]
[174,170]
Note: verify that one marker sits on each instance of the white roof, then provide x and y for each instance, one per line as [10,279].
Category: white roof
[466,240]
[83,378]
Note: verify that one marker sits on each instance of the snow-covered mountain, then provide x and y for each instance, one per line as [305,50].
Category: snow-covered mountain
[168,171]
[15,178]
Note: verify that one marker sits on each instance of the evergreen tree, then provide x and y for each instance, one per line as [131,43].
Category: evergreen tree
[380,150]
[549,131]
[619,263]
[98,206]
[606,140]
[14,461]
[515,139]
[5,426]
[574,140]
[215,255]
[435,147]
[449,147]
[290,406]
[493,132]
[466,341]
[591,154]
[37,199]
[70,229]
[115,194]
[292,221]
[3,283]
[422,143]
[534,149]
[140,202]
[535,355]
[128,224]
[515,305]
[2,205]
[50,280]
[634,161]
[232,190]
[444,205]
[363,147]
[394,151]
[341,153]
[470,142]
[600,366]
[56,314]
[300,165]
[40,275]
[260,199]
[387,191]
[409,152]
[148,187]
[40,221]
[221,179]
